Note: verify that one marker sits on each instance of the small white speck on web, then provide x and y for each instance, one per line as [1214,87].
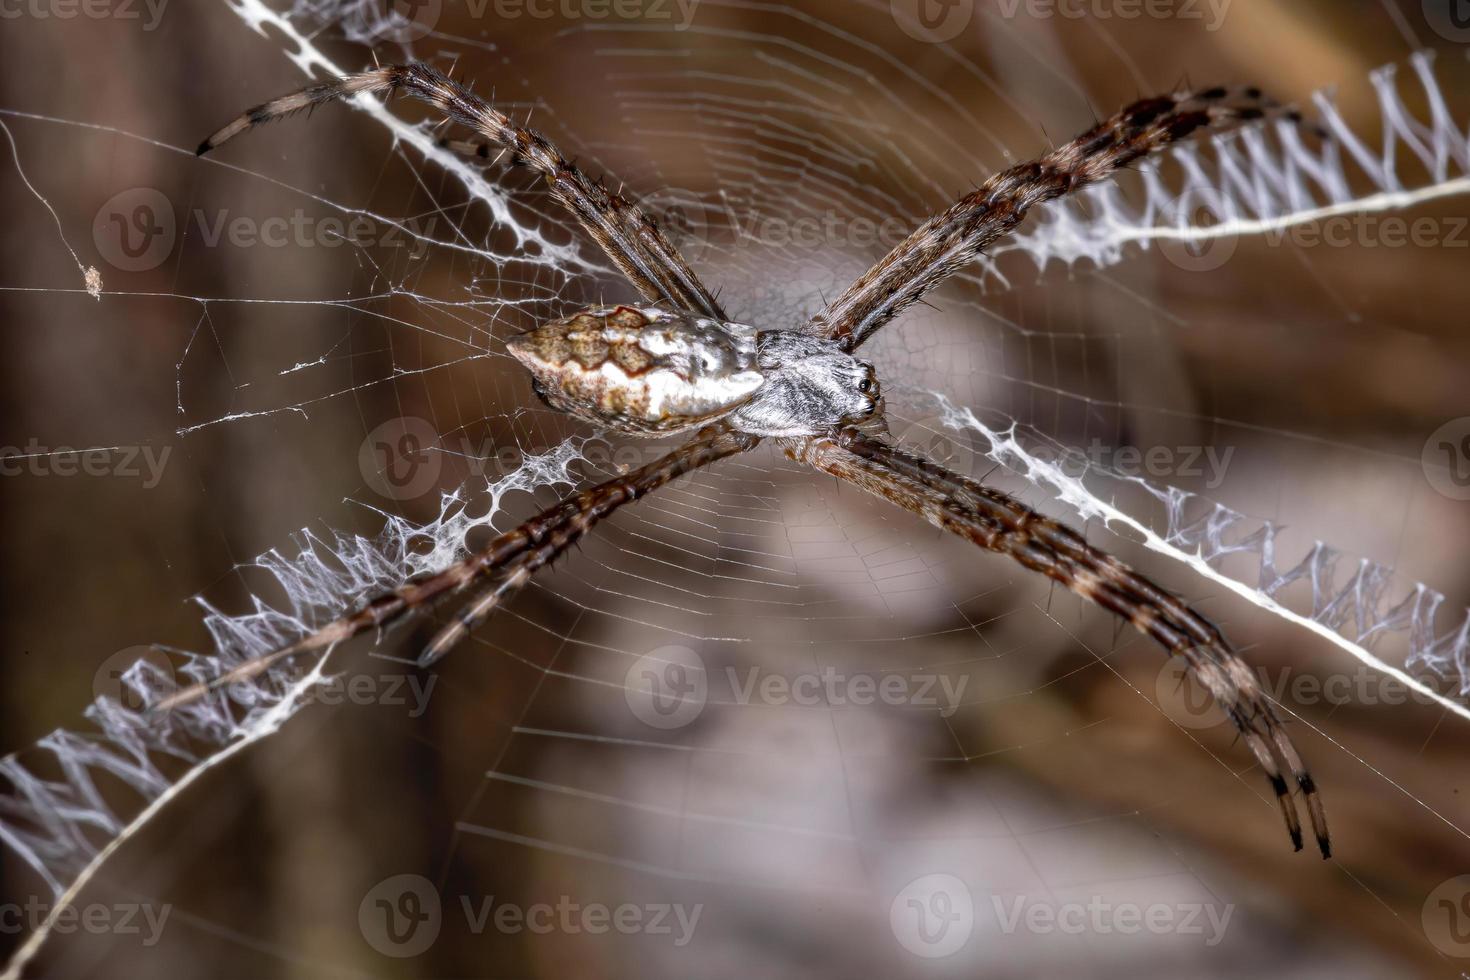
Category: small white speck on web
[90,276]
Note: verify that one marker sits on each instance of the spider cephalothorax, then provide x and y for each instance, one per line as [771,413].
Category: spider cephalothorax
[649,370]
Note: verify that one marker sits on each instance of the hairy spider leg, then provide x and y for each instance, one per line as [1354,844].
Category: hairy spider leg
[952,239]
[999,523]
[513,556]
[629,236]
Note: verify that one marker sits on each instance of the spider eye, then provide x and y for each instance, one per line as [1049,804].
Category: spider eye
[865,385]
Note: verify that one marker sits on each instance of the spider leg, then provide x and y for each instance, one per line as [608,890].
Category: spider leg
[585,510]
[628,235]
[947,242]
[513,556]
[998,522]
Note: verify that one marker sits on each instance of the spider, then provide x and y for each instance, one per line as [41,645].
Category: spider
[676,363]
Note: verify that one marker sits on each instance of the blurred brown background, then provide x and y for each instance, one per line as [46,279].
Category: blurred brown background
[527,777]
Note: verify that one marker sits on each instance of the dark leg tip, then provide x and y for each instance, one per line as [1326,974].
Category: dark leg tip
[1296,840]
[204,148]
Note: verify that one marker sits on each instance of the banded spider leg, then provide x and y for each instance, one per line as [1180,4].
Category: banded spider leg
[511,559]
[997,522]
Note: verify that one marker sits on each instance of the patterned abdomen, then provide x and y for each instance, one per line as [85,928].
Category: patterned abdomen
[642,371]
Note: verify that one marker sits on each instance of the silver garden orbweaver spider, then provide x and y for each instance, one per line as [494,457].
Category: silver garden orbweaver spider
[676,363]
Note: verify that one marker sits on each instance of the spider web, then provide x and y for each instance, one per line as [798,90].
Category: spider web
[366,385]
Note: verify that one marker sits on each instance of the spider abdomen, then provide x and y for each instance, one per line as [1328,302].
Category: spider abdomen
[644,371]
